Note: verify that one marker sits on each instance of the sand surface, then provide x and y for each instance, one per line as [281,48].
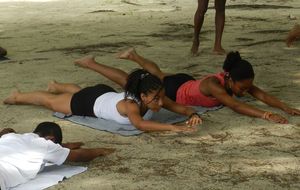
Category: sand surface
[230,151]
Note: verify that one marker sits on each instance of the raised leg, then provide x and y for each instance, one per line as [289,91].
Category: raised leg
[58,88]
[116,75]
[198,22]
[146,64]
[219,23]
[54,102]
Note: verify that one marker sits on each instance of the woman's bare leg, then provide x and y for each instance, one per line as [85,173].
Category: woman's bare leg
[219,22]
[146,64]
[55,102]
[198,22]
[114,74]
[58,88]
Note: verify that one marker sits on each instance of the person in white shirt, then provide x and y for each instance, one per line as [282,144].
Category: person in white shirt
[23,156]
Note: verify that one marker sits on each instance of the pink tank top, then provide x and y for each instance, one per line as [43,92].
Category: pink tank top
[189,93]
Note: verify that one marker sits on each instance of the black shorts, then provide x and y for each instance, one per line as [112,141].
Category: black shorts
[173,82]
[82,102]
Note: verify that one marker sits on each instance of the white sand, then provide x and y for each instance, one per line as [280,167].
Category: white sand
[230,151]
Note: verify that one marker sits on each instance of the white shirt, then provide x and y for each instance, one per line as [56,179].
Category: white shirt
[106,107]
[22,156]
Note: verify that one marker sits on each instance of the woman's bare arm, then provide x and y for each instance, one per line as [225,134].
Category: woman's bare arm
[272,101]
[194,119]
[133,113]
[218,91]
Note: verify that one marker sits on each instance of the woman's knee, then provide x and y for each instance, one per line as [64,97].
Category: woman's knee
[60,103]
[50,104]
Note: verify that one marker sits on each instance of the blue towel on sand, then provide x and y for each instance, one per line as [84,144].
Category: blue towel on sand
[163,116]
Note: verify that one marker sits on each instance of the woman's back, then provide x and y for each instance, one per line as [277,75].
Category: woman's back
[106,107]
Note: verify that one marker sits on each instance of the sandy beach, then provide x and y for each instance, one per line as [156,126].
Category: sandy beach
[229,151]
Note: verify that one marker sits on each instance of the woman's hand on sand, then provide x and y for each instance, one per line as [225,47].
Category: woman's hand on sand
[194,120]
[291,111]
[278,118]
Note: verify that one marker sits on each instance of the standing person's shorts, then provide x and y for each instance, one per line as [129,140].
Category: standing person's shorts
[82,102]
[173,82]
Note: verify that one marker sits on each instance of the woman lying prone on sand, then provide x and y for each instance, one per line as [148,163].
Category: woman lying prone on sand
[144,93]
[212,90]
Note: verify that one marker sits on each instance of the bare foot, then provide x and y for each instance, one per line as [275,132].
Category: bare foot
[85,61]
[293,35]
[12,98]
[194,49]
[51,87]
[127,54]
[219,51]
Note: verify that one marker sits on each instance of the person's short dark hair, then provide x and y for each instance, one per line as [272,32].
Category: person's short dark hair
[49,128]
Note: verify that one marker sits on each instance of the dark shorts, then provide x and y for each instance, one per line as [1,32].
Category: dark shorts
[173,82]
[82,102]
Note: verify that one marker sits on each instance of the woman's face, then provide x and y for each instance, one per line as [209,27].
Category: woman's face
[154,99]
[240,88]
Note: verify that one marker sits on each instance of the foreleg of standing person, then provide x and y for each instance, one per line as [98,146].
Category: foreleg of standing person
[198,22]
[219,23]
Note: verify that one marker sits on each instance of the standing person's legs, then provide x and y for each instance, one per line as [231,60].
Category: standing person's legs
[54,102]
[219,22]
[116,75]
[58,88]
[146,64]
[198,22]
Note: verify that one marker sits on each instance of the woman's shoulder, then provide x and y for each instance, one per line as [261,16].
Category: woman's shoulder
[217,78]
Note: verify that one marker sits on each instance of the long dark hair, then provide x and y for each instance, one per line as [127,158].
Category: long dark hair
[141,81]
[238,68]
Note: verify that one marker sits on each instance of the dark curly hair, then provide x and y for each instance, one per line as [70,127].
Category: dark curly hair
[141,81]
